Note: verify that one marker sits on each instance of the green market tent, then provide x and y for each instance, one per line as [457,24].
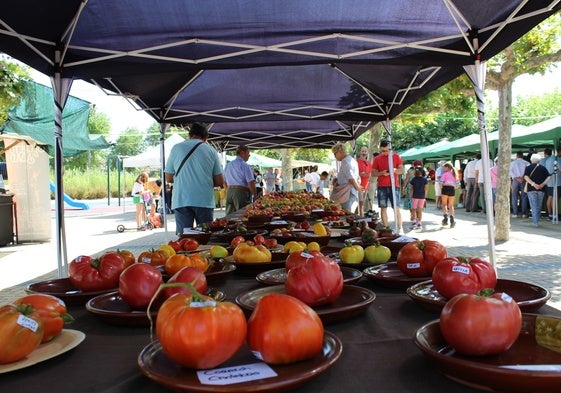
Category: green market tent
[34,117]
[539,135]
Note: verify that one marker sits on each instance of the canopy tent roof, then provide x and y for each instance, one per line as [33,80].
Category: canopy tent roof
[151,157]
[34,118]
[240,61]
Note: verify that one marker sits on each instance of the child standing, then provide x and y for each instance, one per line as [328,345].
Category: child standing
[449,184]
[419,187]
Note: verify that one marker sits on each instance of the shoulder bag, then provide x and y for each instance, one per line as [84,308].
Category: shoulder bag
[340,193]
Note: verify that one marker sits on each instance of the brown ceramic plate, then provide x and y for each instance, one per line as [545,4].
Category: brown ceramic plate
[525,367]
[278,276]
[64,290]
[352,301]
[389,275]
[112,309]
[158,367]
[227,236]
[278,224]
[529,297]
[308,237]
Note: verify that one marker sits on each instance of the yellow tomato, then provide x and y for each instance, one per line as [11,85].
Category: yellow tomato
[167,250]
[218,252]
[288,245]
[320,229]
[314,246]
[296,247]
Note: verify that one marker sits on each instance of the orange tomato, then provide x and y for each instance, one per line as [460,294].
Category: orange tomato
[128,256]
[178,261]
[153,257]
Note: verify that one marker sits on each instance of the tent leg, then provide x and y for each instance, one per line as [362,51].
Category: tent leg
[387,125]
[61,89]
[476,73]
[163,129]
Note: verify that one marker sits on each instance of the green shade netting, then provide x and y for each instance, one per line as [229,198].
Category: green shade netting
[34,117]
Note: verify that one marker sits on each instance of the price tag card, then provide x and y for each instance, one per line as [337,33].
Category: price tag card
[235,374]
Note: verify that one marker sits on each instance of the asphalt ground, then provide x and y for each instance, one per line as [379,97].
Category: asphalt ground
[532,254]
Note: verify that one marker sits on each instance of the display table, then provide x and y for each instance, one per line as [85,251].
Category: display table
[378,353]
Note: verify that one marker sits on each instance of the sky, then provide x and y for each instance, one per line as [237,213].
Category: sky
[123,115]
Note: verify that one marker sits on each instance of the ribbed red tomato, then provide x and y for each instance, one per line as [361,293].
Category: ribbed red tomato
[481,325]
[455,275]
[50,310]
[89,274]
[298,258]
[418,258]
[20,333]
[198,332]
[316,282]
[282,329]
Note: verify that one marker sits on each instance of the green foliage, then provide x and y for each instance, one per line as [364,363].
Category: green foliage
[536,108]
[12,77]
[129,143]
[92,183]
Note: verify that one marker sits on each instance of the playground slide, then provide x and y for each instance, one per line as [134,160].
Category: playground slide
[71,202]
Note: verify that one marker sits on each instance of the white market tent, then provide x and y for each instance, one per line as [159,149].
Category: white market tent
[151,158]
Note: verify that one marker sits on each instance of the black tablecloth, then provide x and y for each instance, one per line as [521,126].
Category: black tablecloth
[378,353]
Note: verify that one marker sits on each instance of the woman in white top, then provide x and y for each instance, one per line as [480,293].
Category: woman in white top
[138,191]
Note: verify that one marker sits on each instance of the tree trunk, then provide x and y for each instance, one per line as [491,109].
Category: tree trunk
[286,155]
[502,207]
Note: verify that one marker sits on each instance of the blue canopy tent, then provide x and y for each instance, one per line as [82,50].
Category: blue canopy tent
[394,52]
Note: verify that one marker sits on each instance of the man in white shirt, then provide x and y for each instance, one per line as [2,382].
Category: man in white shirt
[479,188]
[469,180]
[516,174]
[315,181]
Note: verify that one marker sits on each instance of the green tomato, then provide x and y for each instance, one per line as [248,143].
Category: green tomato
[377,254]
[352,254]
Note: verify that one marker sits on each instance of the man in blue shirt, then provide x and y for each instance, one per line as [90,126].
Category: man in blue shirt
[194,182]
[240,182]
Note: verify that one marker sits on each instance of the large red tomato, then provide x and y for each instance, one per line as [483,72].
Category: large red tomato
[481,325]
[138,283]
[20,333]
[282,329]
[418,258]
[198,332]
[189,244]
[297,258]
[89,274]
[455,275]
[316,282]
[191,275]
[50,310]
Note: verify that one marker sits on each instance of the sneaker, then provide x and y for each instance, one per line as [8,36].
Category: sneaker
[400,232]
[445,221]
[460,205]
[419,225]
[514,215]
[452,222]
[524,216]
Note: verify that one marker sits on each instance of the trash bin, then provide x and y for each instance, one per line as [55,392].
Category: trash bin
[6,219]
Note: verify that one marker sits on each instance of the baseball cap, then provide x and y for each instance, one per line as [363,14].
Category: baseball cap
[441,162]
[417,163]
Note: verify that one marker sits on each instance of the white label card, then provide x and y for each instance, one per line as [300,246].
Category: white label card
[235,374]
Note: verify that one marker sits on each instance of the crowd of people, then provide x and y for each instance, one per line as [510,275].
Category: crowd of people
[367,177]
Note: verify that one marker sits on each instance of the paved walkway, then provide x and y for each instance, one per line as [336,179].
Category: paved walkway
[531,255]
